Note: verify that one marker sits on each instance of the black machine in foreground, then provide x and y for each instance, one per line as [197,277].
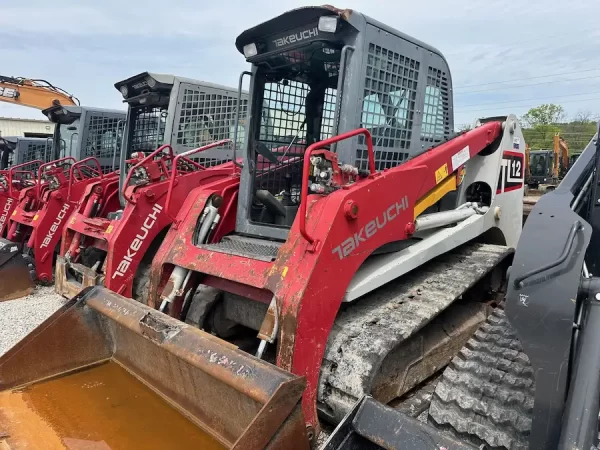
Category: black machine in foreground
[530,377]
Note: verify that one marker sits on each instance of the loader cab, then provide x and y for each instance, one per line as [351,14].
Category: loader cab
[16,150]
[319,72]
[540,167]
[185,113]
[83,132]
[7,149]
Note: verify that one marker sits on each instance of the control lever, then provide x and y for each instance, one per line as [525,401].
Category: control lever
[287,193]
[273,205]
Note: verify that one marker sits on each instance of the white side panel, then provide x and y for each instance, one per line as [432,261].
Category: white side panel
[505,213]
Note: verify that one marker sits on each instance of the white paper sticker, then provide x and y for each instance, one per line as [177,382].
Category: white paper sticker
[460,158]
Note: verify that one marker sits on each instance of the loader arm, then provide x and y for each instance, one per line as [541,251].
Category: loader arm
[552,303]
[34,93]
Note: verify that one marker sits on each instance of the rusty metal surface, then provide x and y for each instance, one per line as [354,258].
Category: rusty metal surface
[292,434]
[240,400]
[69,339]
[68,287]
[15,280]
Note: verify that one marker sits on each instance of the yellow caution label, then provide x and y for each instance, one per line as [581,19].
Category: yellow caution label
[461,176]
[284,272]
[14,212]
[72,221]
[109,229]
[36,217]
[441,173]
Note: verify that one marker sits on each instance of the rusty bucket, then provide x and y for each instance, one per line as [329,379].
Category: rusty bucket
[15,277]
[105,372]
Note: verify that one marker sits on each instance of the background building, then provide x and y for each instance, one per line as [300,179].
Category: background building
[25,127]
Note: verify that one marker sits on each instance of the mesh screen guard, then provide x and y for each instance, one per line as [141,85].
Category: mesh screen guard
[299,97]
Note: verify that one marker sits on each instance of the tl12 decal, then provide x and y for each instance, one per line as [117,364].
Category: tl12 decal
[511,173]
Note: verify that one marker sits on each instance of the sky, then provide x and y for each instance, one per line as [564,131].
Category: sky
[505,57]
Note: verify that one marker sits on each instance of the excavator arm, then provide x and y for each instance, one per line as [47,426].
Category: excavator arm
[560,163]
[33,93]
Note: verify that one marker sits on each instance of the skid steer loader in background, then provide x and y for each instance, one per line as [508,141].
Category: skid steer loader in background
[16,150]
[12,182]
[86,132]
[81,154]
[36,223]
[183,114]
[17,183]
[23,156]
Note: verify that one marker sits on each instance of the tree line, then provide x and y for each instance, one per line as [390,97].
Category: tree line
[541,123]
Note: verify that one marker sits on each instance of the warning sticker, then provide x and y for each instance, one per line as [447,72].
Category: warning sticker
[36,217]
[460,158]
[109,229]
[441,173]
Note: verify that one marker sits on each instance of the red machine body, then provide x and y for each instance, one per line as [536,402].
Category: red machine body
[12,182]
[151,207]
[331,237]
[42,211]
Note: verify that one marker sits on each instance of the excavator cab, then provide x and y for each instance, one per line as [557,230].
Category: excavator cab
[541,162]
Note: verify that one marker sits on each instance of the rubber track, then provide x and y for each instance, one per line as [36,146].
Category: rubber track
[371,327]
[486,394]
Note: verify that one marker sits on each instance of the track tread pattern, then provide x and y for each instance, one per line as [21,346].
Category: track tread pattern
[487,391]
[141,283]
[370,328]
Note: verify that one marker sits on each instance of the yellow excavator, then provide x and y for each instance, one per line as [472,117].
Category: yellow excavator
[33,93]
[38,94]
[544,169]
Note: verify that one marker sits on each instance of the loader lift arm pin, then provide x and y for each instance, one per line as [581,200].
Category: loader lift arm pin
[12,171]
[160,149]
[306,170]
[68,159]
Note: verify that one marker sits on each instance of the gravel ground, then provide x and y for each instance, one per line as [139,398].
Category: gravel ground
[19,317]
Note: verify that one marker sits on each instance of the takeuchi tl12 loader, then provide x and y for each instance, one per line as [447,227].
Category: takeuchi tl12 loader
[77,163]
[362,249]
[179,136]
[17,154]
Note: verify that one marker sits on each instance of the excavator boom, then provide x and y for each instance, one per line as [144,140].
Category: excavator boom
[33,93]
